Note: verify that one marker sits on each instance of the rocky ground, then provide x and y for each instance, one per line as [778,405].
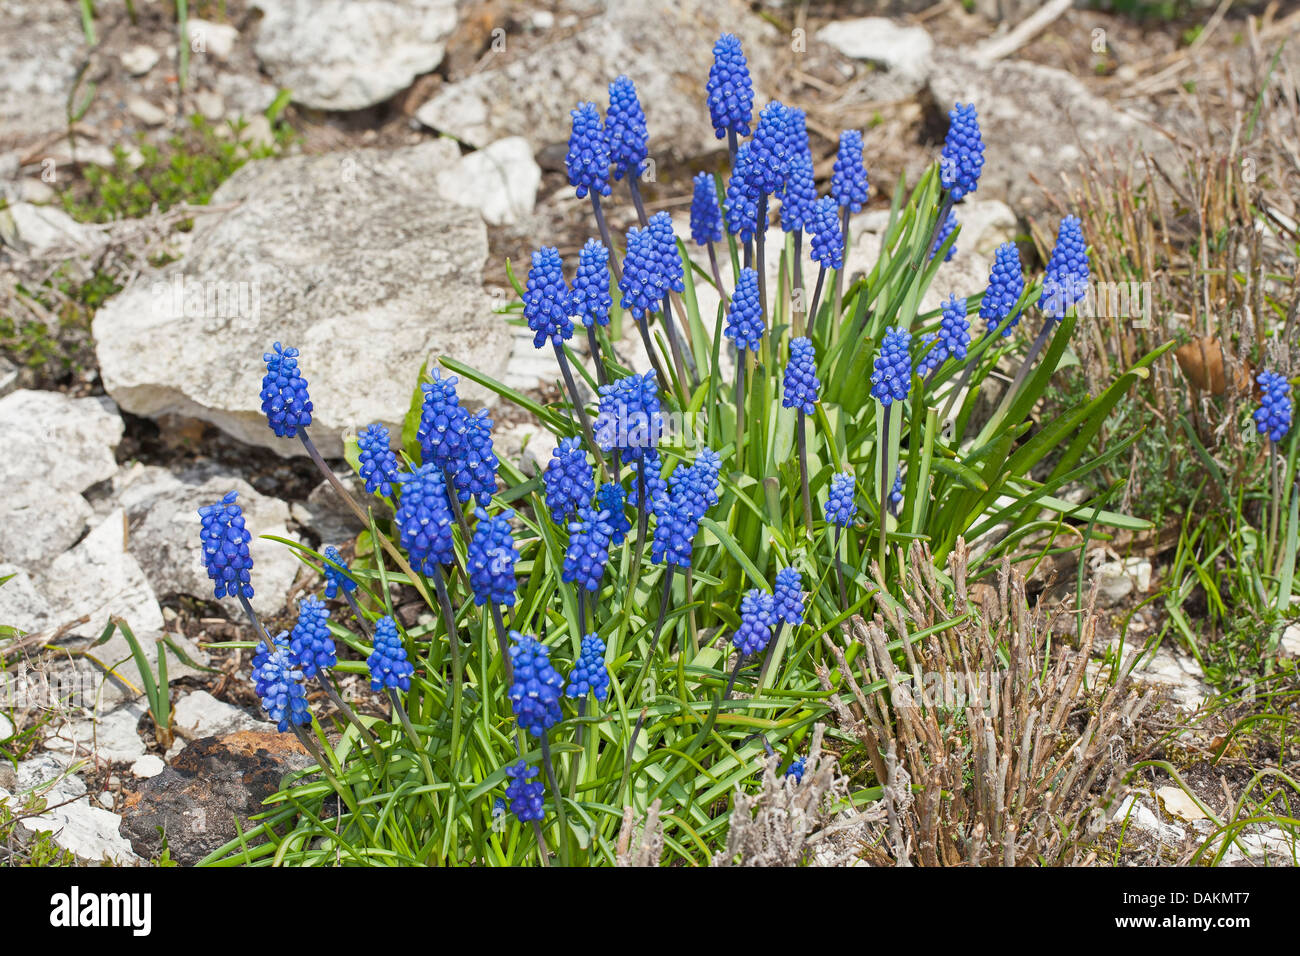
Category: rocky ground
[428,147]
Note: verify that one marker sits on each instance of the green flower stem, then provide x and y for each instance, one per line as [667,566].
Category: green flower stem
[356,612]
[578,406]
[562,818]
[345,794]
[839,572]
[839,273]
[675,347]
[659,626]
[454,501]
[453,643]
[642,526]
[717,273]
[604,235]
[415,579]
[262,634]
[1022,373]
[768,654]
[760,243]
[803,474]
[414,739]
[742,360]
[796,287]
[885,483]
[643,326]
[816,299]
[691,627]
[337,700]
[735,673]
[593,343]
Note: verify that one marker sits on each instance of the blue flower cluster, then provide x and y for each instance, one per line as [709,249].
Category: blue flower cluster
[840,507]
[697,483]
[588,157]
[796,769]
[670,270]
[849,177]
[655,485]
[730,89]
[524,794]
[387,662]
[1273,417]
[589,672]
[476,472]
[798,205]
[742,198]
[535,694]
[945,231]
[896,492]
[590,295]
[625,129]
[588,551]
[442,422]
[568,479]
[379,466]
[629,418]
[757,618]
[424,519]
[952,339]
[225,547]
[278,681]
[706,218]
[962,158]
[745,314]
[337,579]
[641,283]
[892,379]
[828,242]
[769,151]
[787,597]
[1006,284]
[1066,281]
[610,500]
[547,302]
[801,386]
[310,641]
[491,559]
[284,393]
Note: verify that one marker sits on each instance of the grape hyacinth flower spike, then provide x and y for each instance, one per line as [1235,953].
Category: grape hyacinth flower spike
[476,472]
[740,203]
[945,230]
[850,189]
[535,700]
[588,162]
[730,92]
[841,511]
[630,423]
[337,577]
[589,674]
[827,247]
[745,328]
[951,341]
[706,222]
[313,648]
[757,619]
[798,203]
[641,285]
[625,132]
[379,466]
[671,280]
[962,158]
[490,564]
[890,382]
[1273,417]
[768,171]
[591,299]
[800,390]
[225,540]
[1005,286]
[568,480]
[278,682]
[548,305]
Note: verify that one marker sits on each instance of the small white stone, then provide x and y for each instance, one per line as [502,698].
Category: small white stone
[150,765]
[201,715]
[500,181]
[140,59]
[146,112]
[214,39]
[900,49]
[6,728]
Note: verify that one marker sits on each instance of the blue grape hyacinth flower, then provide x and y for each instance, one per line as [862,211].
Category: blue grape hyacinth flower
[588,158]
[310,639]
[590,296]
[654,481]
[741,200]
[675,529]
[945,231]
[610,499]
[625,129]
[769,150]
[669,259]
[796,769]
[1273,417]
[225,547]
[379,467]
[697,483]
[841,509]
[588,552]
[757,618]
[335,579]
[896,493]
[278,681]
[629,419]
[442,422]
[526,796]
[952,339]
[568,479]
[745,314]
[798,205]
[706,217]
[548,304]
[642,282]
[962,158]
[849,185]
[285,401]
[424,519]
[476,472]
[827,242]
[1006,285]
[1066,280]
[535,694]
[730,89]
[801,386]
[387,662]
[787,596]
[589,673]
[892,379]
[491,559]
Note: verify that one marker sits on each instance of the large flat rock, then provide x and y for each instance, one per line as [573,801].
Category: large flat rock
[666,49]
[352,257]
